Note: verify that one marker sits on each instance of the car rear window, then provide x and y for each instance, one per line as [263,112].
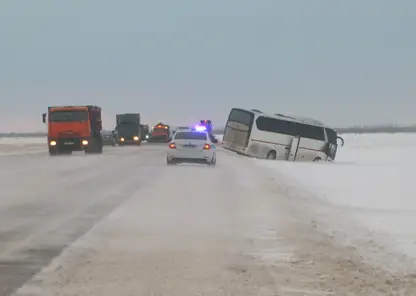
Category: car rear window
[190,136]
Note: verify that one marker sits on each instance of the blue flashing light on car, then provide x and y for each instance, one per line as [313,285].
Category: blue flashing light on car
[200,128]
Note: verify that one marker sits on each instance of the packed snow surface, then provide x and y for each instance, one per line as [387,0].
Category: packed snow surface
[372,181]
[125,223]
[22,140]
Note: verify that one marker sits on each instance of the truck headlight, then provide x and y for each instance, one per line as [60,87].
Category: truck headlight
[84,142]
[52,143]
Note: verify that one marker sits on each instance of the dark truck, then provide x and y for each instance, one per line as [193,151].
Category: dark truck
[74,128]
[128,129]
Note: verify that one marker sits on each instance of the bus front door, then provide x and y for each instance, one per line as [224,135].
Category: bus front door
[293,151]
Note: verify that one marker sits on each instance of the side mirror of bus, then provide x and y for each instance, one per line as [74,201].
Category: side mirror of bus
[44,117]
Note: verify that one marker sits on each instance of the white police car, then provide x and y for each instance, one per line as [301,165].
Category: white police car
[191,146]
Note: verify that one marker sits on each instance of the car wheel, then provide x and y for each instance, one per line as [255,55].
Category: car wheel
[169,162]
[213,161]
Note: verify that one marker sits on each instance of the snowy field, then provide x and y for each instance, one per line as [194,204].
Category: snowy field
[371,181]
[22,145]
[125,223]
[22,141]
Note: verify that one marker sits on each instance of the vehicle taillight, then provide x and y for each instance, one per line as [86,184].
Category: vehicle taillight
[207,146]
[172,146]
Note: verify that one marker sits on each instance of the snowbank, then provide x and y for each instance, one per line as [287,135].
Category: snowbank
[22,145]
[22,141]
[371,182]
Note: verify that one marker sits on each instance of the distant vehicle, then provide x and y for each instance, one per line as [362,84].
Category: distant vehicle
[128,129]
[74,128]
[160,133]
[108,138]
[277,136]
[191,146]
[145,132]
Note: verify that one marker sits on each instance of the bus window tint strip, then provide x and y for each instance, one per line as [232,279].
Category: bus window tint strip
[290,128]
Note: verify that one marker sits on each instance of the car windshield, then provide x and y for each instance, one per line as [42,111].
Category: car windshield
[68,116]
[190,136]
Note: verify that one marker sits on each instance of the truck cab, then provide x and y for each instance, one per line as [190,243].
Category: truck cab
[160,133]
[73,128]
[128,129]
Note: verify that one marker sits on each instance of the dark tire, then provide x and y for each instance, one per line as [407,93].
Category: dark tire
[213,161]
[99,149]
[95,147]
[170,162]
[317,159]
[271,155]
[53,152]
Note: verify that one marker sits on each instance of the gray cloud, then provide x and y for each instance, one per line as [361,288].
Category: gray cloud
[344,62]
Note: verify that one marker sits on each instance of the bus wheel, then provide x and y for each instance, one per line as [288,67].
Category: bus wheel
[317,159]
[271,154]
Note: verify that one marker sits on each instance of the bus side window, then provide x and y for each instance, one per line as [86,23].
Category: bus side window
[276,126]
[311,132]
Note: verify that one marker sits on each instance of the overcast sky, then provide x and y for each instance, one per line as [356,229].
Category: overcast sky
[343,62]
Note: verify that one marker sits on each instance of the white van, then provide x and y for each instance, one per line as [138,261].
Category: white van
[277,136]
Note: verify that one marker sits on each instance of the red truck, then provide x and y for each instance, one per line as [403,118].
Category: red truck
[74,128]
[160,133]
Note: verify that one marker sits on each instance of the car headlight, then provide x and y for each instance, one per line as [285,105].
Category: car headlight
[122,139]
[136,138]
[53,143]
[84,142]
[147,136]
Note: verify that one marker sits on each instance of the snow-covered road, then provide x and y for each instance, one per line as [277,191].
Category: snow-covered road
[124,223]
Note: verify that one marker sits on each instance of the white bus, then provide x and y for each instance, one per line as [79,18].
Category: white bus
[277,136]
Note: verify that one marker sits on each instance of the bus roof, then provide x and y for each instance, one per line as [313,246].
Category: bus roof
[299,119]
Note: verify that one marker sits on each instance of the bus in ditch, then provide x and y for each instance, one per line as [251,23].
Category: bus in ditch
[256,134]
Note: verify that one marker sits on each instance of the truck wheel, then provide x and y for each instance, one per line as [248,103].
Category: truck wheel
[95,147]
[53,152]
[100,148]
